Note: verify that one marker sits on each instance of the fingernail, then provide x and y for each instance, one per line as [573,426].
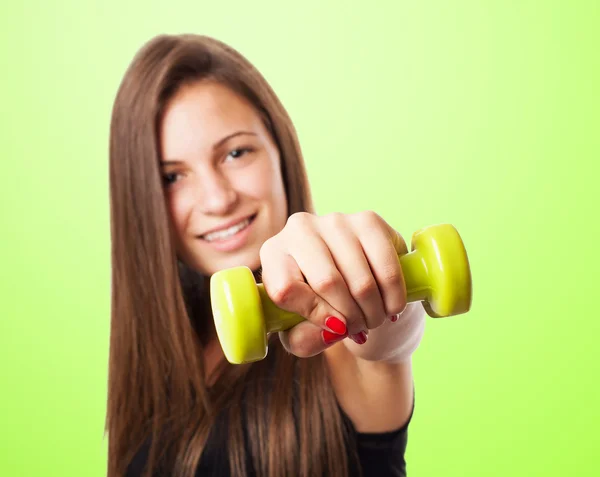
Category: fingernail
[330,338]
[394,318]
[336,325]
[359,338]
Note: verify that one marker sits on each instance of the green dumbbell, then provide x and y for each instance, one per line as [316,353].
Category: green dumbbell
[436,272]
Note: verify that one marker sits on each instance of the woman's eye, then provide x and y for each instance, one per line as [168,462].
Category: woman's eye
[237,153]
[170,178]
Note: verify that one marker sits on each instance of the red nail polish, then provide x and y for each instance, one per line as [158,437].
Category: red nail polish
[360,338]
[394,318]
[336,325]
[330,338]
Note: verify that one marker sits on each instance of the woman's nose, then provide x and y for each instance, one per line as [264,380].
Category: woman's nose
[216,195]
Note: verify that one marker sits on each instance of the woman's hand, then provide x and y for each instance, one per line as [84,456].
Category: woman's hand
[340,272]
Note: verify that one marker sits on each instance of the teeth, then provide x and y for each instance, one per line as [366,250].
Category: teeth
[223,234]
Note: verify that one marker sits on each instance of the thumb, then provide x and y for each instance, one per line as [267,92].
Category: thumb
[307,339]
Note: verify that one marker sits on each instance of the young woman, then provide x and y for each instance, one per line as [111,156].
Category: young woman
[206,173]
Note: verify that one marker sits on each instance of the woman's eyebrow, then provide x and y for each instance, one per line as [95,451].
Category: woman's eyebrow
[170,162]
[230,136]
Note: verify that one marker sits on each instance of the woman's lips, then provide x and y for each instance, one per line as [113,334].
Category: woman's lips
[232,238]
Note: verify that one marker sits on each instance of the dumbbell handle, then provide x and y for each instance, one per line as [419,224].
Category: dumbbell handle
[415,278]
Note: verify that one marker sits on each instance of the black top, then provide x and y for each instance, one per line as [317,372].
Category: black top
[380,455]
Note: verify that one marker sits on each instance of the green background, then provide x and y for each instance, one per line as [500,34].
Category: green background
[481,114]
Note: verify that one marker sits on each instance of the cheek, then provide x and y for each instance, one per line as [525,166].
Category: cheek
[179,208]
[265,184]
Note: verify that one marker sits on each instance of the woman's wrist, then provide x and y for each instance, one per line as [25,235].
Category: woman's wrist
[393,341]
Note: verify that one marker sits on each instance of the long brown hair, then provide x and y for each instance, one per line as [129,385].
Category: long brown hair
[160,315]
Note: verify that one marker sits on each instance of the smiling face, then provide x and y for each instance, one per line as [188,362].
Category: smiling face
[222,177]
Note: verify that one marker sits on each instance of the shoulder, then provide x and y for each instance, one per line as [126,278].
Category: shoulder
[137,466]
[377,396]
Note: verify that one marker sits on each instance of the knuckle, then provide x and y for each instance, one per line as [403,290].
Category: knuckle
[299,219]
[336,218]
[397,306]
[363,287]
[391,274]
[369,217]
[282,293]
[265,248]
[312,309]
[326,283]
